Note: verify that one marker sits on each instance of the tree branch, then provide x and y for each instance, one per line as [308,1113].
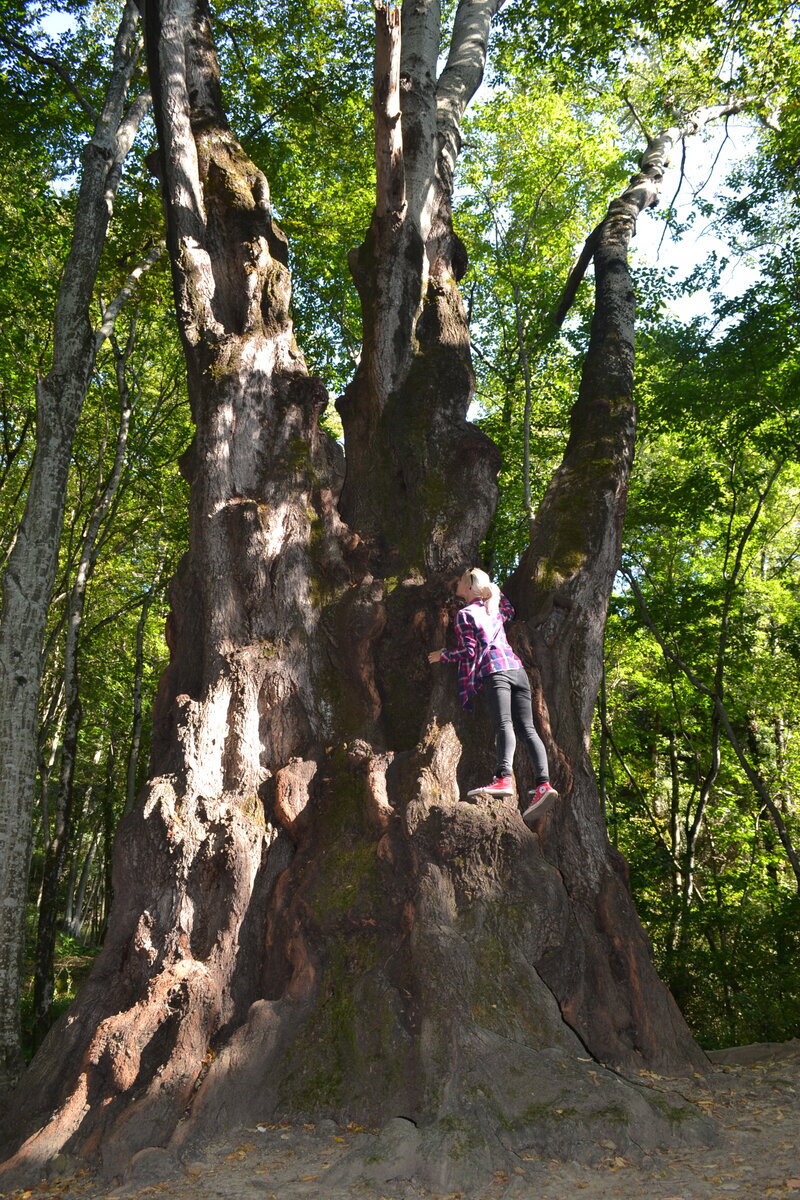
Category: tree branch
[644,188]
[637,119]
[462,75]
[112,310]
[575,277]
[56,66]
[130,123]
[390,192]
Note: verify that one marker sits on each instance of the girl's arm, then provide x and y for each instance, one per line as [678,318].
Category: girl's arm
[506,609]
[466,640]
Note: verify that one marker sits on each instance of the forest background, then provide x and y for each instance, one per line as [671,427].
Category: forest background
[697,732]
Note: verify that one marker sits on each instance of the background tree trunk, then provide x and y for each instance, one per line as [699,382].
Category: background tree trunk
[391,951]
[56,853]
[29,575]
[131,774]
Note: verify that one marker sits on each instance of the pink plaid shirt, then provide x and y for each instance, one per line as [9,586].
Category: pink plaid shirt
[481,647]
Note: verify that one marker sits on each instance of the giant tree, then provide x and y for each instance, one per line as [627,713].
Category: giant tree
[307,918]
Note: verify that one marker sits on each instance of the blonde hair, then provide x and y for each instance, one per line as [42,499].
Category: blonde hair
[483,589]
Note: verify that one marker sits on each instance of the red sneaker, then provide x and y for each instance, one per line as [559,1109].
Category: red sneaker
[542,799]
[498,787]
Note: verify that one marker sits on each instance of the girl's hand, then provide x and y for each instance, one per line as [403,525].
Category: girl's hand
[435,656]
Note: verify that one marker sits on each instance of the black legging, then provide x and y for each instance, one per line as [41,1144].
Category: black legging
[508,694]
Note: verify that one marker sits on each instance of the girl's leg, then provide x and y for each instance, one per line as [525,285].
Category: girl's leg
[498,696]
[522,717]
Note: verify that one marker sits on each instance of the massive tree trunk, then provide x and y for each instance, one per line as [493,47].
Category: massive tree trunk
[307,919]
[28,580]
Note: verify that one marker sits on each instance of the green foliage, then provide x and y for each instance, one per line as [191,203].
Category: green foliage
[27,292]
[587,39]
[73,962]
[540,164]
[713,541]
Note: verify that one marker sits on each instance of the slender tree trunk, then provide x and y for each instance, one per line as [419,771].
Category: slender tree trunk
[678,864]
[55,857]
[391,951]
[31,568]
[603,771]
[75,915]
[108,824]
[524,359]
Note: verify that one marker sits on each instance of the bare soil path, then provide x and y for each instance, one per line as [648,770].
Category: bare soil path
[753,1094]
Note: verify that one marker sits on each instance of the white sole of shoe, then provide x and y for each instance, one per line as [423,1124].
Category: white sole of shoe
[479,793]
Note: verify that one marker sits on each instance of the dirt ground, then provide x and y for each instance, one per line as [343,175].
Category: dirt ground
[753,1093]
